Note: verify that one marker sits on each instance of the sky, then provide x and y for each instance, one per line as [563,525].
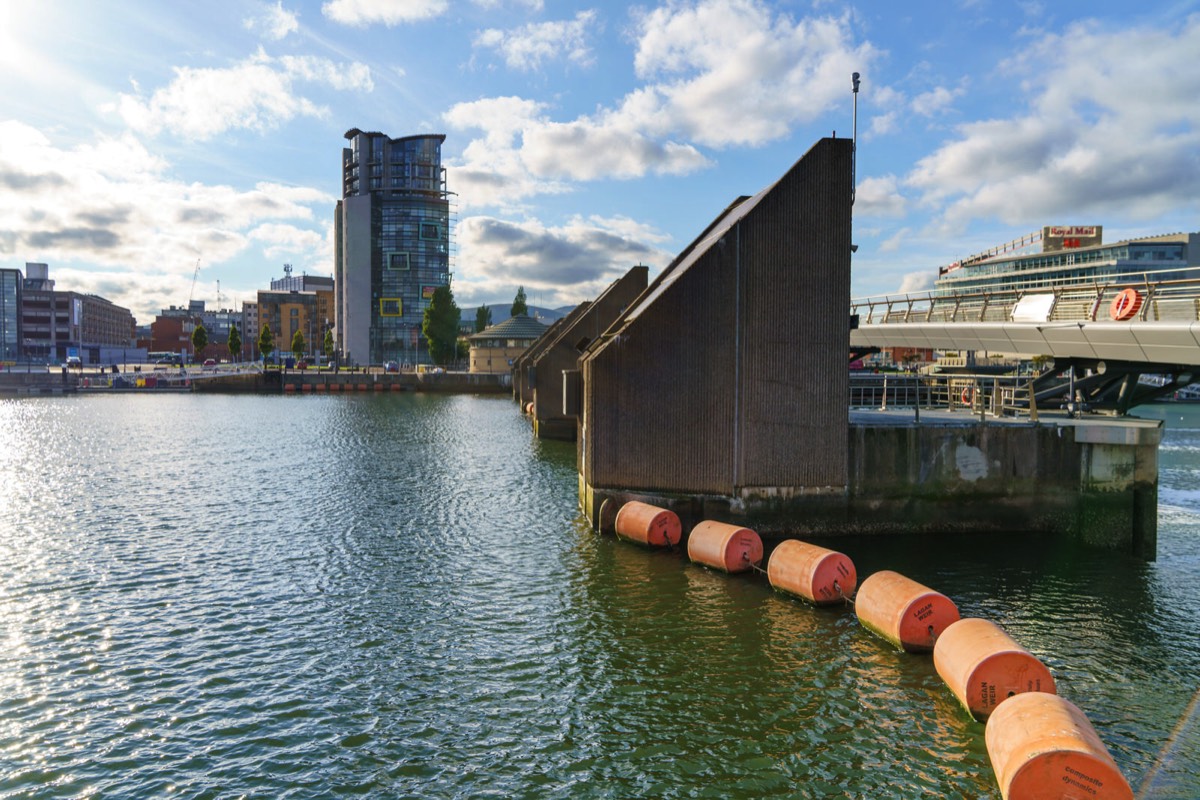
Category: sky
[157,152]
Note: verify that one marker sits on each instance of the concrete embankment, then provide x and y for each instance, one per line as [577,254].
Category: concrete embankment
[35,383]
[300,382]
[1094,479]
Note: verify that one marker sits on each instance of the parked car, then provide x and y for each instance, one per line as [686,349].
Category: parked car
[74,362]
[210,363]
[302,364]
[391,366]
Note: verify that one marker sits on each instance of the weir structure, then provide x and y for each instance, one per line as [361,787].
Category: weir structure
[547,374]
[721,393]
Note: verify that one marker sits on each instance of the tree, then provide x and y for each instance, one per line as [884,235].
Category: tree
[327,346]
[199,340]
[440,325]
[518,306]
[483,318]
[266,342]
[235,341]
[298,345]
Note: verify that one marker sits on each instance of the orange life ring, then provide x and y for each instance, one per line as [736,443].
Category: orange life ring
[968,396]
[1125,305]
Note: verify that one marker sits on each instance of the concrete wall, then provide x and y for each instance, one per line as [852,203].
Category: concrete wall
[354,316]
[1094,481]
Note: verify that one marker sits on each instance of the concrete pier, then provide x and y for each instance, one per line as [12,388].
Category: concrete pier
[1094,480]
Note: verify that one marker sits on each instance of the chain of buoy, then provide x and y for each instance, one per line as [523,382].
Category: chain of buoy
[849,600]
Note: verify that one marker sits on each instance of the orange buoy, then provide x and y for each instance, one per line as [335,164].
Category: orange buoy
[378,387]
[818,575]
[730,548]
[904,612]
[306,387]
[320,387]
[984,666]
[362,387]
[395,387]
[529,407]
[1125,305]
[649,525]
[289,387]
[1042,747]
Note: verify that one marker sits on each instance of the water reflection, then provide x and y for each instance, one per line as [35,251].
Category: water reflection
[396,596]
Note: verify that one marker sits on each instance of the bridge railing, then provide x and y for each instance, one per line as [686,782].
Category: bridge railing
[993,395]
[1172,295]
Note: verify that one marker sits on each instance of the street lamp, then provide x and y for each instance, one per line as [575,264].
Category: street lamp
[854,139]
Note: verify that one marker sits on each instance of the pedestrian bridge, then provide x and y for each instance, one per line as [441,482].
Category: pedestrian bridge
[1125,319]
[1117,343]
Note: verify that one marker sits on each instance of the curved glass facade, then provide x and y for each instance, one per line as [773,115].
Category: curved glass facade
[394,249]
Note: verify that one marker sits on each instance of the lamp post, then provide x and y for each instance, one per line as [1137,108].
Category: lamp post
[854,139]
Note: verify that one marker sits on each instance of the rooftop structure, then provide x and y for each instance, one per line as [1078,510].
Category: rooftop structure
[494,349]
[1059,256]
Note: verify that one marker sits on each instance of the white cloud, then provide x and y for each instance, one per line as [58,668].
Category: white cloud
[273,22]
[110,204]
[386,12]
[528,47]
[1112,127]
[523,153]
[560,265]
[935,101]
[914,282]
[718,73]
[258,94]
[879,197]
[727,72]
[280,240]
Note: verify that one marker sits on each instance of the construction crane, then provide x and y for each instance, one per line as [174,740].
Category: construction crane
[195,275]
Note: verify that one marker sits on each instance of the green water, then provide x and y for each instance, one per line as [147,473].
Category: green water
[205,596]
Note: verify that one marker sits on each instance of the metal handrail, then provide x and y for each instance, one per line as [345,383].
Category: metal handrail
[997,304]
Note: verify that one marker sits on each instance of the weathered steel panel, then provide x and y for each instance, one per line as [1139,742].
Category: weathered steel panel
[730,370]
[795,333]
[583,325]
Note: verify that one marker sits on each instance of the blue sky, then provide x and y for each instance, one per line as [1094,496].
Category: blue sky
[138,139]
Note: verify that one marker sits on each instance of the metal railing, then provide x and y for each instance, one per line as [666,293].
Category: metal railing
[1172,295]
[991,395]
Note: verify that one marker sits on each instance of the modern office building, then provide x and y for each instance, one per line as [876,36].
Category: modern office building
[1066,255]
[11,283]
[57,324]
[250,330]
[287,312]
[393,245]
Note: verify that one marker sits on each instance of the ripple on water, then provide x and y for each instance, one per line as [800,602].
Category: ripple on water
[393,596]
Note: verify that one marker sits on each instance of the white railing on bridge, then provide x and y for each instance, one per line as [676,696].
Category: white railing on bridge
[1174,298]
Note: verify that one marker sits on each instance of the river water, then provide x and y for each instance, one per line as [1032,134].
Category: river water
[209,596]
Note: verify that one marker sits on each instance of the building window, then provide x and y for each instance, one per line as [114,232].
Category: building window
[390,307]
[430,231]
[396,261]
